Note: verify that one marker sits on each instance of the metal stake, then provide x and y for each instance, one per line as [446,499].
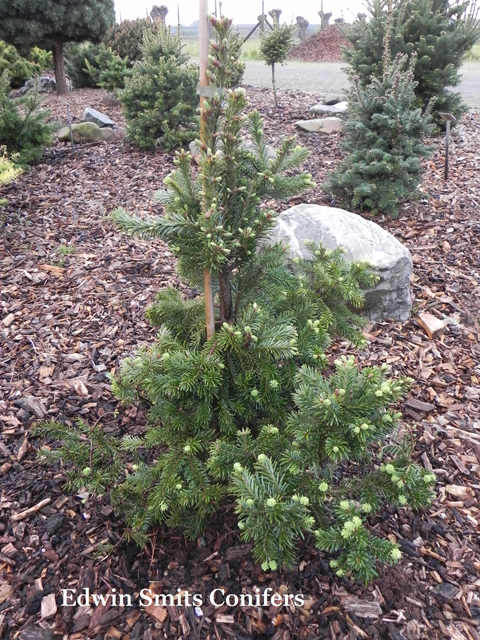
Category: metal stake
[448,118]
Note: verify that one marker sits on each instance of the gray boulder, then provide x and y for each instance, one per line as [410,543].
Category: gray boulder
[110,100]
[334,98]
[100,119]
[86,132]
[42,84]
[323,109]
[362,240]
[322,125]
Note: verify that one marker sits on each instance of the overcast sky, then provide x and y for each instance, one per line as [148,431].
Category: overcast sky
[244,11]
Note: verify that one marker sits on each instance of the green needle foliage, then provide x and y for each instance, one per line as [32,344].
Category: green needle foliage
[159,99]
[225,70]
[23,130]
[384,141]
[250,412]
[436,34]
[274,48]
[109,70]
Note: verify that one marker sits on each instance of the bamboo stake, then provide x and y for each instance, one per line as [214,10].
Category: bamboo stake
[203,81]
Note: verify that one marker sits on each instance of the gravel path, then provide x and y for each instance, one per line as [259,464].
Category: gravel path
[318,77]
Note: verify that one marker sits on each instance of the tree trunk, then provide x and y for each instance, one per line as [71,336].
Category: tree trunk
[225,294]
[273,85]
[59,66]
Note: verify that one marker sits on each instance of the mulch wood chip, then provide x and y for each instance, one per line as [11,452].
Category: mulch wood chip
[323,46]
[73,295]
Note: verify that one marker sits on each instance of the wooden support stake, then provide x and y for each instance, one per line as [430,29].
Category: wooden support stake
[203,81]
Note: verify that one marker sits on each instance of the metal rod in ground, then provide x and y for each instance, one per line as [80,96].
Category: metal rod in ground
[447,145]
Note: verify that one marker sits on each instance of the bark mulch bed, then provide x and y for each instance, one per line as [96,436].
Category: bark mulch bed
[324,46]
[73,296]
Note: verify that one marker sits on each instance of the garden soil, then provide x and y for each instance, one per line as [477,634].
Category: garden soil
[68,318]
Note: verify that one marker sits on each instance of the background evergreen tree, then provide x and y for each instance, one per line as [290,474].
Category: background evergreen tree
[436,34]
[52,23]
[160,101]
[274,48]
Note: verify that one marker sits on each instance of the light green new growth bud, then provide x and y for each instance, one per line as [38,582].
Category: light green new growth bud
[187,448]
[357,521]
[271,502]
[273,384]
[334,564]
[367,507]
[379,393]
[341,392]
[327,402]
[249,502]
[323,486]
[389,468]
[273,565]
[254,393]
[304,500]
[262,457]
[395,554]
[241,525]
[86,471]
[178,486]
[344,505]
[402,500]
[237,466]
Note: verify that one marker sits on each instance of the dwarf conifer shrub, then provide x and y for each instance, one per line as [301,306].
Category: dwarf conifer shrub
[23,130]
[126,38]
[159,99]
[250,411]
[109,71]
[21,68]
[384,142]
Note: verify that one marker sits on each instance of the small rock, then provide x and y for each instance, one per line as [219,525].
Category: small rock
[323,125]
[334,98]
[110,100]
[99,118]
[43,85]
[86,132]
[35,633]
[445,591]
[54,523]
[323,108]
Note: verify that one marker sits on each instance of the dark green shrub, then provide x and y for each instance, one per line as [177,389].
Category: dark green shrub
[23,130]
[159,99]
[126,38]
[76,58]
[384,133]
[21,69]
[109,71]
[437,32]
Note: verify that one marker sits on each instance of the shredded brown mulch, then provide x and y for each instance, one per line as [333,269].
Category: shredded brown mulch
[324,46]
[68,317]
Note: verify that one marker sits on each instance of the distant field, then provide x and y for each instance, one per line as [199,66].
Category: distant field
[474,54]
[250,50]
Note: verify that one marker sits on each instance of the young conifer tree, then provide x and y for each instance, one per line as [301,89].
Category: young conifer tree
[384,139]
[247,411]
